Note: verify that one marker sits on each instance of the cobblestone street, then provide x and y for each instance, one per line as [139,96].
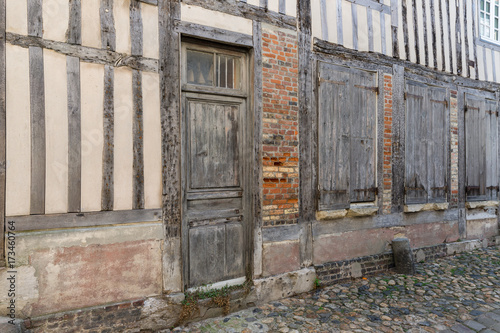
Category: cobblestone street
[453,294]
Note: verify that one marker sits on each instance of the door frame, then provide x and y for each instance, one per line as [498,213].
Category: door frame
[247,159]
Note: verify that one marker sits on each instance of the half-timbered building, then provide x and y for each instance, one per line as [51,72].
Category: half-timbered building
[152,147]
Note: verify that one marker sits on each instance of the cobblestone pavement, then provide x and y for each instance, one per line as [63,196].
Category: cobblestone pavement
[452,294]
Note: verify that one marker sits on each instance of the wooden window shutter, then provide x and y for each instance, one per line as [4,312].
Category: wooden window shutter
[334,137]
[417,138]
[491,150]
[347,104]
[475,147]
[363,110]
[438,145]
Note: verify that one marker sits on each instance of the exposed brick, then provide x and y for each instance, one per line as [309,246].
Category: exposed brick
[280,127]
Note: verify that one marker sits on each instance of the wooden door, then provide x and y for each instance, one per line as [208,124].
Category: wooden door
[215,218]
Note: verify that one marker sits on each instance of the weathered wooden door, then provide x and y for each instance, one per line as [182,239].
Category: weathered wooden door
[215,166]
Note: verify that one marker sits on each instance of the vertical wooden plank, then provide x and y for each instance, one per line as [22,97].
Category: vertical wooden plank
[263,4]
[3,118]
[466,39]
[74,109]
[370,28]
[37,97]
[439,143]
[405,29]
[306,169]
[458,36]
[56,117]
[450,44]
[108,140]
[487,73]
[354,13]
[433,32]
[18,152]
[75,22]
[108,41]
[256,234]
[424,24]
[136,34]
[37,102]
[415,29]
[168,11]
[282,6]
[324,20]
[340,34]
[74,134]
[394,26]
[398,157]
[474,37]
[441,30]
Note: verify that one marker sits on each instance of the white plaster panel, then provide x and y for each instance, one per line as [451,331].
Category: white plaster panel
[199,15]
[18,131]
[91,23]
[56,122]
[480,62]
[55,15]
[273,5]
[489,64]
[253,2]
[411,34]
[150,31]
[121,12]
[377,34]
[29,242]
[123,141]
[497,65]
[17,16]
[316,19]
[331,10]
[291,7]
[92,96]
[362,28]
[347,24]
[388,35]
[152,141]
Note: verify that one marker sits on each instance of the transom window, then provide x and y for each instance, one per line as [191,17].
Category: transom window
[212,68]
[489,20]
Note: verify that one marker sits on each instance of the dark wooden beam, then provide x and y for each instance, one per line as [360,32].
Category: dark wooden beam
[3,83]
[248,11]
[37,110]
[306,169]
[398,139]
[214,34]
[82,220]
[169,12]
[86,54]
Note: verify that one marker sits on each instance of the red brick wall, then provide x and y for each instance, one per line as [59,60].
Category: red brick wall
[280,127]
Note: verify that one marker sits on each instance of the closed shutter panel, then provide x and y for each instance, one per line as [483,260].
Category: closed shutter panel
[437,145]
[417,140]
[475,137]
[363,104]
[492,150]
[334,137]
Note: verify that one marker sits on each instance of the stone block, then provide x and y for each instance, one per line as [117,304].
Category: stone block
[403,256]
